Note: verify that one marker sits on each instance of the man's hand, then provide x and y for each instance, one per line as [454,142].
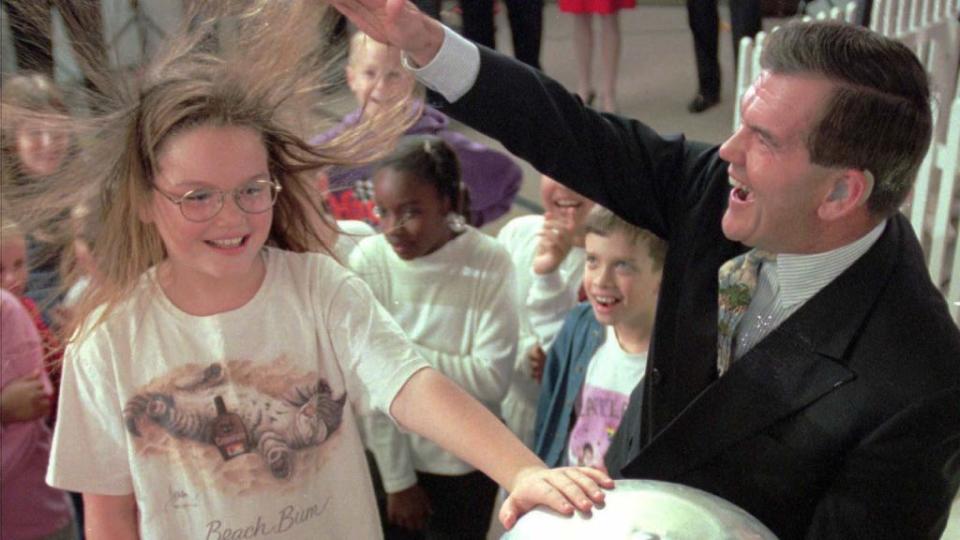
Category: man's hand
[561,489]
[556,241]
[24,399]
[537,359]
[409,508]
[395,22]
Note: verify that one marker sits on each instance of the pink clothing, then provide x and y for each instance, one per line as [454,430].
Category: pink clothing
[29,508]
[603,7]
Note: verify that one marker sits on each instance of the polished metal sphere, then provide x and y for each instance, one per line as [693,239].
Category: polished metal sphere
[647,510]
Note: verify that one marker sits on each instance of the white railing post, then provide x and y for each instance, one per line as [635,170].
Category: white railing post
[745,75]
[922,186]
[850,12]
[947,159]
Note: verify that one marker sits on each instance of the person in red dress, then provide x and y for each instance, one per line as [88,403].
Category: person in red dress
[609,36]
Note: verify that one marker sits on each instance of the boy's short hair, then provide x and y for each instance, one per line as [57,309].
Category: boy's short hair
[603,222]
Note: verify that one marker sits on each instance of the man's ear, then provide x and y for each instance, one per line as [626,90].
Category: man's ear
[849,190]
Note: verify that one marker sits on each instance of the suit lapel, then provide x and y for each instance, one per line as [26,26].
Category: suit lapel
[798,363]
[776,378]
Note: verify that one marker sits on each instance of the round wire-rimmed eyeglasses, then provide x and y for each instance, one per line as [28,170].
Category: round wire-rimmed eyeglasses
[203,204]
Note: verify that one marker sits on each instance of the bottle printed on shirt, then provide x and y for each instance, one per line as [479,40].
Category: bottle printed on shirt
[228,433]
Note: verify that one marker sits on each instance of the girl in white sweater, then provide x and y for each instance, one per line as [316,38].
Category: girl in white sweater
[452,290]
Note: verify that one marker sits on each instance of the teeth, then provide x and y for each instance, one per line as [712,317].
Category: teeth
[605,299]
[738,185]
[227,243]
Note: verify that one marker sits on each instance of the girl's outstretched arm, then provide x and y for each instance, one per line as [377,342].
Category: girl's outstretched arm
[435,407]
[110,517]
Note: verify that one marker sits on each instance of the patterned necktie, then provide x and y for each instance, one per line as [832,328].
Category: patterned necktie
[737,282]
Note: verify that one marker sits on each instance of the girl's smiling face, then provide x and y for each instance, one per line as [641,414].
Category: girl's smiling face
[412,213]
[226,246]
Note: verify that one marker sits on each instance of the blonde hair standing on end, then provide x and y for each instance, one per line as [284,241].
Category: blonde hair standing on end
[265,78]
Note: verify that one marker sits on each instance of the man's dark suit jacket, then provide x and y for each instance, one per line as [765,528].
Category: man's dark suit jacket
[843,423]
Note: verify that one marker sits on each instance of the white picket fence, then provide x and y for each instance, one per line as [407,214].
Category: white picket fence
[930,28]
[131,30]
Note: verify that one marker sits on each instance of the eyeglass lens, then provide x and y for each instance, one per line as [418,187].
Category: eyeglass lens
[204,203]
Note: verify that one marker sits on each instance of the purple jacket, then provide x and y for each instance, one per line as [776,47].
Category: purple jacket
[492,177]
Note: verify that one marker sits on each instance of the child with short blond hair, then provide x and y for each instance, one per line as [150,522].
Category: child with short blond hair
[600,354]
[379,82]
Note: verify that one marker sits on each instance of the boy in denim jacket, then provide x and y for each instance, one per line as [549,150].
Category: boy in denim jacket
[600,354]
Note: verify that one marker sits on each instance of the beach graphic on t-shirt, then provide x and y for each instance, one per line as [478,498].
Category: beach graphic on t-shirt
[597,421]
[243,418]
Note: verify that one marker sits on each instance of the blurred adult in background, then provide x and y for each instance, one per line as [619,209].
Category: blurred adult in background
[608,11]
[526,26]
[745,21]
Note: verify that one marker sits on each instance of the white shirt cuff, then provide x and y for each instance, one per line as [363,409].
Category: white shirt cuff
[395,485]
[552,281]
[454,69]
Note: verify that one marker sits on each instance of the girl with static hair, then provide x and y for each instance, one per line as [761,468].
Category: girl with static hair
[450,287]
[205,389]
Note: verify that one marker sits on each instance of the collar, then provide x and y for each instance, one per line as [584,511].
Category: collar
[802,276]
[455,252]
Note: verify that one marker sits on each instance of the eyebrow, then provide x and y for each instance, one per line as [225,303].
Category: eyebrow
[190,183]
[766,134]
[631,260]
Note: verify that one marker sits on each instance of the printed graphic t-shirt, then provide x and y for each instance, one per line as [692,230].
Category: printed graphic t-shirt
[236,425]
[611,376]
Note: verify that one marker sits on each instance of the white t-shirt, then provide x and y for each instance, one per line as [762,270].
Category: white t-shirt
[235,425]
[611,376]
[544,302]
[457,305]
[351,233]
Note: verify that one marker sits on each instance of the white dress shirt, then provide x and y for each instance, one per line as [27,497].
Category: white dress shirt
[789,282]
